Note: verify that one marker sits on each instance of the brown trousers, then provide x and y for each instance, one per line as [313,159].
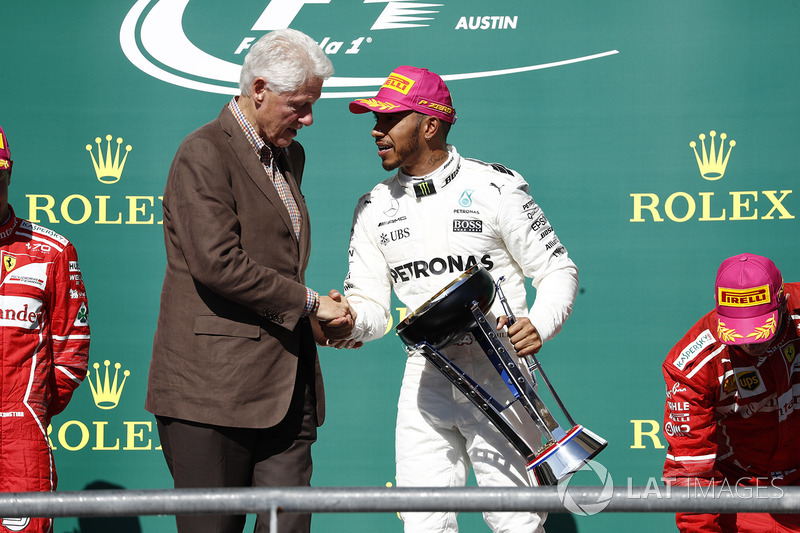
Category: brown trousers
[203,456]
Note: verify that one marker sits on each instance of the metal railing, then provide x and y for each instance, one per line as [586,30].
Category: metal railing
[394,499]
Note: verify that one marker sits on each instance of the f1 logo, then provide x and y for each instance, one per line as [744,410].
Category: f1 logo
[279,14]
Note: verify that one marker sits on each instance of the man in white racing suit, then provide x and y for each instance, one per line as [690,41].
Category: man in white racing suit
[417,231]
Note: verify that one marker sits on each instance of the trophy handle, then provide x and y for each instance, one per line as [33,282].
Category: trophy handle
[531,360]
[477,395]
[520,387]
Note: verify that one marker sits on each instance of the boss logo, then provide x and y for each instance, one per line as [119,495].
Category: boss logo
[748,380]
[468,226]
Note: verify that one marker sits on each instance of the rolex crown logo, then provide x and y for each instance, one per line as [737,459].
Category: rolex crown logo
[106,396]
[108,170]
[712,164]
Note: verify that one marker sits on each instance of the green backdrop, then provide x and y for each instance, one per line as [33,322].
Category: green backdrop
[595,103]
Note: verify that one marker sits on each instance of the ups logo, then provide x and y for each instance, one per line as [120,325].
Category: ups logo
[748,381]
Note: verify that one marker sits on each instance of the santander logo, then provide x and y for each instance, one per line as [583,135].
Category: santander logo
[154,39]
[20,312]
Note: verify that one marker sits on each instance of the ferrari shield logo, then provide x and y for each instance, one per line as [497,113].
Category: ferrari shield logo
[9,262]
[790,353]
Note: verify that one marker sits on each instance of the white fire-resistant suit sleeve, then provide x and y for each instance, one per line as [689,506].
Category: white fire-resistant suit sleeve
[536,248]
[368,286]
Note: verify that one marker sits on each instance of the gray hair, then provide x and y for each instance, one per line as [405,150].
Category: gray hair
[286,59]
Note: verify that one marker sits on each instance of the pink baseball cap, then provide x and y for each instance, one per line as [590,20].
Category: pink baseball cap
[749,295]
[410,89]
[5,154]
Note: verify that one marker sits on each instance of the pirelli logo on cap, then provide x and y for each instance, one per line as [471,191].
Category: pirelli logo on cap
[744,297]
[398,83]
[447,110]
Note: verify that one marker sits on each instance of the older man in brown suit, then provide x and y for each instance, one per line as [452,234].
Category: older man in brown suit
[235,381]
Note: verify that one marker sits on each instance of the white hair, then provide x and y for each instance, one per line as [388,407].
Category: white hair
[286,59]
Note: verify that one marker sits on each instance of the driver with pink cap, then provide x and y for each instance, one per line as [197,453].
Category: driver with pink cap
[733,384]
[44,325]
[435,215]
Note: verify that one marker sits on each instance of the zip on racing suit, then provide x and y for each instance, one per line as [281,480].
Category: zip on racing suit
[733,420]
[44,351]
[416,235]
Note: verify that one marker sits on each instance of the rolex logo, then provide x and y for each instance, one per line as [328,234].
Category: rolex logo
[106,396]
[108,169]
[712,163]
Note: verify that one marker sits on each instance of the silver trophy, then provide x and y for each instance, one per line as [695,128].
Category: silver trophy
[461,308]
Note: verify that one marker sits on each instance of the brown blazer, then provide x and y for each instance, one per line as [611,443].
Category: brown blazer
[229,333]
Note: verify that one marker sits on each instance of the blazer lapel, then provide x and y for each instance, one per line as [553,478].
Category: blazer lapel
[252,165]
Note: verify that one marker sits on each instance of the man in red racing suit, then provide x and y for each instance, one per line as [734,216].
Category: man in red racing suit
[44,348]
[733,384]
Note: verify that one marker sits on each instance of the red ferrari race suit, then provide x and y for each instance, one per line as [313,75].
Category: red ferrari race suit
[45,349]
[734,420]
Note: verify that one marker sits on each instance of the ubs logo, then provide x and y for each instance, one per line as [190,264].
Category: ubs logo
[395,235]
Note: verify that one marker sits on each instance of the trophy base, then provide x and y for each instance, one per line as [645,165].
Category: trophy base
[566,456]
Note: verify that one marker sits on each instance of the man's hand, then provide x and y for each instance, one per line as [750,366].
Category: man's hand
[523,336]
[334,306]
[337,330]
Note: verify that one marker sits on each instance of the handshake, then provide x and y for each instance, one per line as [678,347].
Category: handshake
[334,322]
